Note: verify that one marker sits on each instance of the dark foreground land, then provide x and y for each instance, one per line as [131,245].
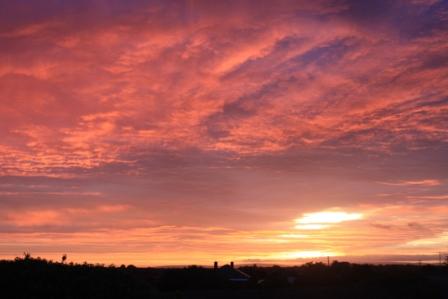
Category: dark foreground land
[37,278]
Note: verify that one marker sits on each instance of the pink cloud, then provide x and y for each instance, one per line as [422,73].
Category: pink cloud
[425,182]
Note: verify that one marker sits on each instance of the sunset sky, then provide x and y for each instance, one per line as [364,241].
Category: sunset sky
[181,132]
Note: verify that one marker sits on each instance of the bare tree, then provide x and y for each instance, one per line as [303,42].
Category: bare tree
[26,255]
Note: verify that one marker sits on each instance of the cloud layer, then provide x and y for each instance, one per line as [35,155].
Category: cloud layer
[198,125]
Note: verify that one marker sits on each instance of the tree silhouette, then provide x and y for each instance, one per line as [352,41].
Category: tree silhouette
[26,256]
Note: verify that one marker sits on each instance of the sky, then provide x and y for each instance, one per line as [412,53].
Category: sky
[183,132]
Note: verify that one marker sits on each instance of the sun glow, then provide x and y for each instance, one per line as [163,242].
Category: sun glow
[321,220]
[306,254]
[311,226]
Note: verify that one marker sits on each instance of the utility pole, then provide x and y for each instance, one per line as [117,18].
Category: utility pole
[328,261]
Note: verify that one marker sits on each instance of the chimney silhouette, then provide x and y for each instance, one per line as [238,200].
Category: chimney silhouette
[215,266]
[231,265]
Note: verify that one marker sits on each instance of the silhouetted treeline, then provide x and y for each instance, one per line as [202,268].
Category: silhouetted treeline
[37,278]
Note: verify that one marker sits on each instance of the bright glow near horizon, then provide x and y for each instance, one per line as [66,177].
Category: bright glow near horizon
[306,254]
[328,217]
[311,226]
[321,220]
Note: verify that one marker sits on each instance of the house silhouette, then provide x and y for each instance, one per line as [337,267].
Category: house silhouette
[230,273]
